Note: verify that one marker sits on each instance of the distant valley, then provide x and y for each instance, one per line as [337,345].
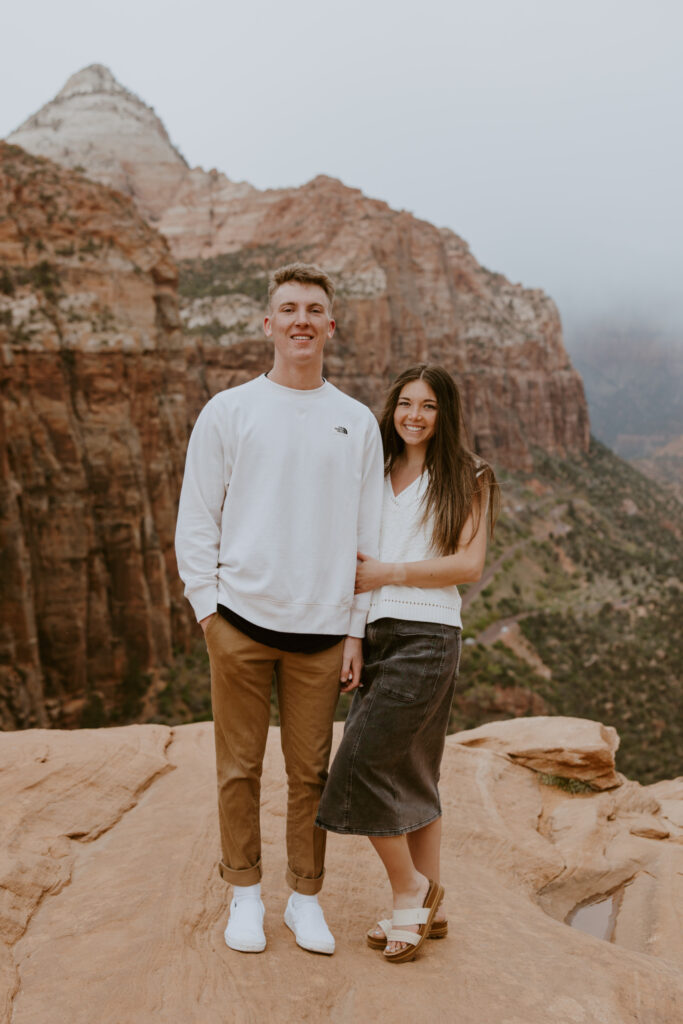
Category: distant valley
[633,377]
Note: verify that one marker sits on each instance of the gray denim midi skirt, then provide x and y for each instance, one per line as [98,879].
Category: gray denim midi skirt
[384,778]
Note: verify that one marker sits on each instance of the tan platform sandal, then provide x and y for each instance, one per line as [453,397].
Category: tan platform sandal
[421,916]
[439,930]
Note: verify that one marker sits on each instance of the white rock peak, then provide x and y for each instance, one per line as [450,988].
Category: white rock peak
[94,78]
[96,124]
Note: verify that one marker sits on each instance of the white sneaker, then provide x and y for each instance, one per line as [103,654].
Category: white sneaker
[304,916]
[244,931]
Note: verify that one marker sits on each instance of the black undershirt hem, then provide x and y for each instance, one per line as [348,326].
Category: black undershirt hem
[293,643]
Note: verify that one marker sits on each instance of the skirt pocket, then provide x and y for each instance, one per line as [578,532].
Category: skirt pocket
[414,661]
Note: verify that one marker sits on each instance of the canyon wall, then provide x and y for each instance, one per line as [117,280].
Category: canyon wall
[92,433]
[407,292]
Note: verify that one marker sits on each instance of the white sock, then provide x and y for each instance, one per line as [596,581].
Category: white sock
[298,898]
[247,891]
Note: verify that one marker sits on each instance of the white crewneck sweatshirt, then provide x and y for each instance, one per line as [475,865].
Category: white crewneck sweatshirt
[282,487]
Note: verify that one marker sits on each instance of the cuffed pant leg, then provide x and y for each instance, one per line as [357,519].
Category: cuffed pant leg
[241,676]
[249,876]
[308,690]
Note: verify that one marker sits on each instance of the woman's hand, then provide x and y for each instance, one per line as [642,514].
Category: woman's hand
[371,573]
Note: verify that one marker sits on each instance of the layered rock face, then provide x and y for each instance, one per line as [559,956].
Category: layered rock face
[407,291]
[96,125]
[92,432]
[105,902]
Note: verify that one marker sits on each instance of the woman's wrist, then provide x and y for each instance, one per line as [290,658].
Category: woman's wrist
[398,574]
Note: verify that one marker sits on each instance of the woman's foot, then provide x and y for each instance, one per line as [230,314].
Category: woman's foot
[440,918]
[414,897]
[411,925]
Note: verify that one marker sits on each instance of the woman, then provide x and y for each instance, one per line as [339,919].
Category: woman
[383,782]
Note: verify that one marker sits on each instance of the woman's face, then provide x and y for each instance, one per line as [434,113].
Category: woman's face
[415,414]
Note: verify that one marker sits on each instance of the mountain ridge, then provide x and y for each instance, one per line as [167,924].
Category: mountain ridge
[408,291]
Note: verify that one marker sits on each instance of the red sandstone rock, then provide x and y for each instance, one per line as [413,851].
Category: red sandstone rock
[92,434]
[111,906]
[571,748]
[408,292]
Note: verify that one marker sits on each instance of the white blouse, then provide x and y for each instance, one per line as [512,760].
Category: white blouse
[404,538]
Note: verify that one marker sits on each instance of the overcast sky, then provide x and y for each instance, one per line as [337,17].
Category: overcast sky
[546,132]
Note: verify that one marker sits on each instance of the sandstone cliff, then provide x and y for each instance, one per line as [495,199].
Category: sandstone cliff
[408,291]
[111,907]
[92,435]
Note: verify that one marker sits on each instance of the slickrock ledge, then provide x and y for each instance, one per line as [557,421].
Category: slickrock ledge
[111,908]
[569,748]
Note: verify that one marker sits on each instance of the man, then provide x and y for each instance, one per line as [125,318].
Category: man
[283,485]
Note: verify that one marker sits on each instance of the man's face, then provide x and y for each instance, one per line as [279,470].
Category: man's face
[299,323]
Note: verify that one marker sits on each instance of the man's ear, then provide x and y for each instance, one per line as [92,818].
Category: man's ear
[330,332]
[267,326]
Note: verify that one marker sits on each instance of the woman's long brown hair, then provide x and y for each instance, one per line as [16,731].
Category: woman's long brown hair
[459,480]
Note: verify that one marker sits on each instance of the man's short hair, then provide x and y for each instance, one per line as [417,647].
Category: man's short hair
[304,273]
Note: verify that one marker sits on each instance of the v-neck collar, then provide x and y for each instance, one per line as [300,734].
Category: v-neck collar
[397,497]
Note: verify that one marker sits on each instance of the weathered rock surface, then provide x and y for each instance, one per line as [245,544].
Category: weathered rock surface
[570,748]
[110,898]
[93,426]
[407,290]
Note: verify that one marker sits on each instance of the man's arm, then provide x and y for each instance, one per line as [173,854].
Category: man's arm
[368,524]
[352,663]
[198,530]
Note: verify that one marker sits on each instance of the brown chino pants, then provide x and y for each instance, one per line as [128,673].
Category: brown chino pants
[307,689]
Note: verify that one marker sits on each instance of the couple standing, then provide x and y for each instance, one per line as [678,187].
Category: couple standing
[299,523]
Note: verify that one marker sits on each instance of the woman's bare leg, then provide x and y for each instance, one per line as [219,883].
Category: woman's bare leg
[425,851]
[408,885]
[424,848]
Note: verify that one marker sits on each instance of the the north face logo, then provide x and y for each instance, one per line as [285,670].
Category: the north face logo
[341,430]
